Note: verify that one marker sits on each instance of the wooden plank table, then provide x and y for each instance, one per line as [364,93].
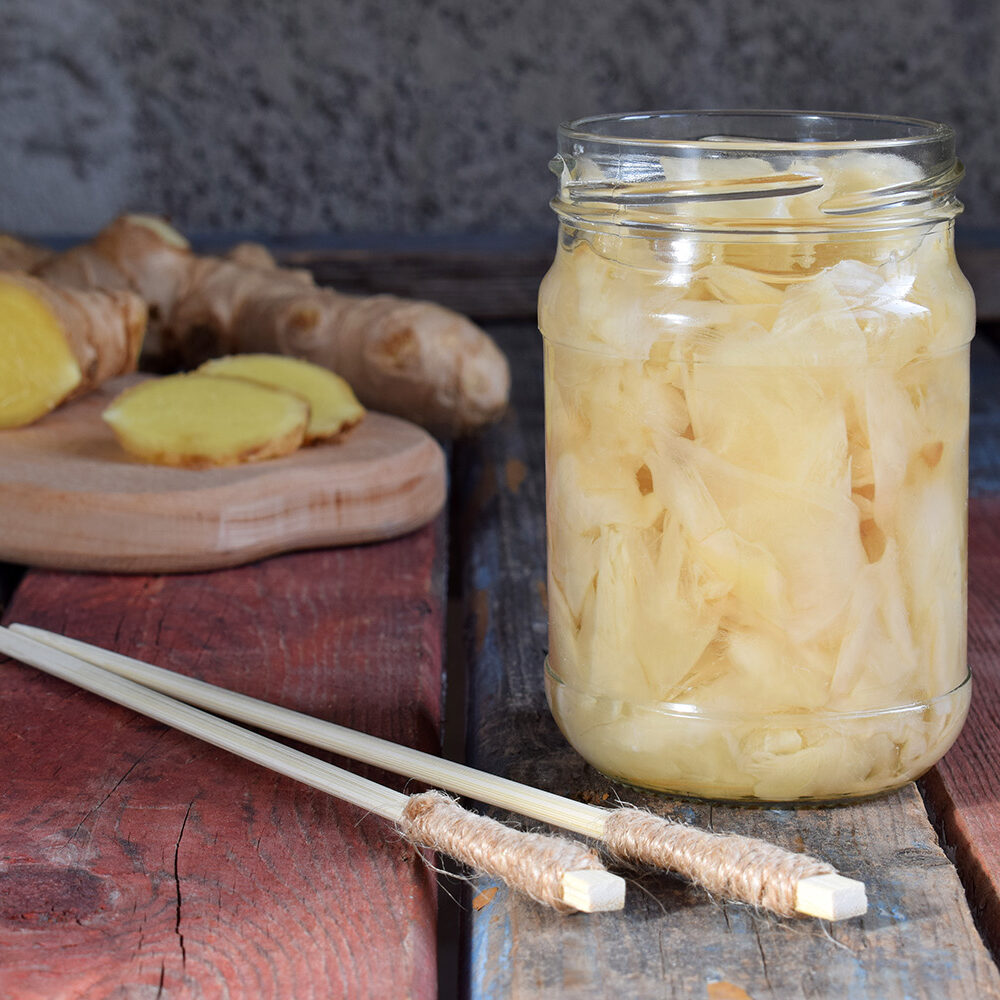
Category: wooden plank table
[137,862]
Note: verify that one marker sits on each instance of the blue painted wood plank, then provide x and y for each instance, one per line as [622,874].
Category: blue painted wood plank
[672,940]
[984,417]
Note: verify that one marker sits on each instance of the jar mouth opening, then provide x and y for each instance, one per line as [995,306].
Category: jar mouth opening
[755,171]
[763,130]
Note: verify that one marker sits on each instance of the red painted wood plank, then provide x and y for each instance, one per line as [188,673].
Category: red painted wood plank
[136,861]
[963,791]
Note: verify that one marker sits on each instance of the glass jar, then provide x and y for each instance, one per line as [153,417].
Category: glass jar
[756,403]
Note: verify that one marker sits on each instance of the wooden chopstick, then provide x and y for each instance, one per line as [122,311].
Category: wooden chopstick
[827,894]
[590,889]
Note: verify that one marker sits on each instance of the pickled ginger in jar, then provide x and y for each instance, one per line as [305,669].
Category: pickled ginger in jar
[756,346]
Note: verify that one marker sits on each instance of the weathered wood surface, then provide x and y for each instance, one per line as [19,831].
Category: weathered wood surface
[918,938]
[485,283]
[984,440]
[497,279]
[139,862]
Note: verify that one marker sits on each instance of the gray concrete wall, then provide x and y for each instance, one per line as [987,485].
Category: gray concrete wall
[432,116]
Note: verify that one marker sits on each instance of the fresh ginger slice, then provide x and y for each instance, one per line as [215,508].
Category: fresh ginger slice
[39,369]
[333,407]
[199,421]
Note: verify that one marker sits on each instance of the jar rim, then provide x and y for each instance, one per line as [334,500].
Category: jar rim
[657,170]
[811,130]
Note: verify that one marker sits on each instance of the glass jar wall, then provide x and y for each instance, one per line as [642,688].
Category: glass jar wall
[756,369]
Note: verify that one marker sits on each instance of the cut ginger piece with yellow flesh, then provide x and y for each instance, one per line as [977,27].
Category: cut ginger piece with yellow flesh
[39,370]
[200,421]
[333,407]
[58,342]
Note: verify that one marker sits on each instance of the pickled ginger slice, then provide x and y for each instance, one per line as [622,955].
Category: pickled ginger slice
[895,328]
[610,306]
[783,422]
[767,671]
[878,663]
[656,401]
[815,325]
[938,387]
[625,406]
[857,181]
[932,519]
[812,532]
[704,330]
[820,769]
[654,617]
[636,639]
[591,494]
[896,435]
[738,285]
[940,286]
[563,633]
[680,486]
[750,574]
[576,511]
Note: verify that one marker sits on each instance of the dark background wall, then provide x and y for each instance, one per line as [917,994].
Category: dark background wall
[431,116]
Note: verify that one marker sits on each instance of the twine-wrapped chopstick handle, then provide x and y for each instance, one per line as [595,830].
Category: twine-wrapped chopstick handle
[542,866]
[729,865]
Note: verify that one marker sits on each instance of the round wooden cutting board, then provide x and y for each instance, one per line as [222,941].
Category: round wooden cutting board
[71,498]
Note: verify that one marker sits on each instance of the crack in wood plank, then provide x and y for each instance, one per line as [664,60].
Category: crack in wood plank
[177,886]
[116,785]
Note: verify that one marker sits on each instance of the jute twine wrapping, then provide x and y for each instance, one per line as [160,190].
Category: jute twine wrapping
[531,862]
[728,865]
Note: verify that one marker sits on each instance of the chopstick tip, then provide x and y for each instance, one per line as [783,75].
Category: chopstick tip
[831,897]
[593,891]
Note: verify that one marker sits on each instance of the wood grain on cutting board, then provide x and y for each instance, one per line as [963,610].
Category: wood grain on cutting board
[71,498]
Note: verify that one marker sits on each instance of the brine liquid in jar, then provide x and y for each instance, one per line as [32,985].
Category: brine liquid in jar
[756,387]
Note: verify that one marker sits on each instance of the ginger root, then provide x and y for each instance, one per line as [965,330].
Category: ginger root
[333,407]
[59,342]
[200,421]
[414,359]
[18,255]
